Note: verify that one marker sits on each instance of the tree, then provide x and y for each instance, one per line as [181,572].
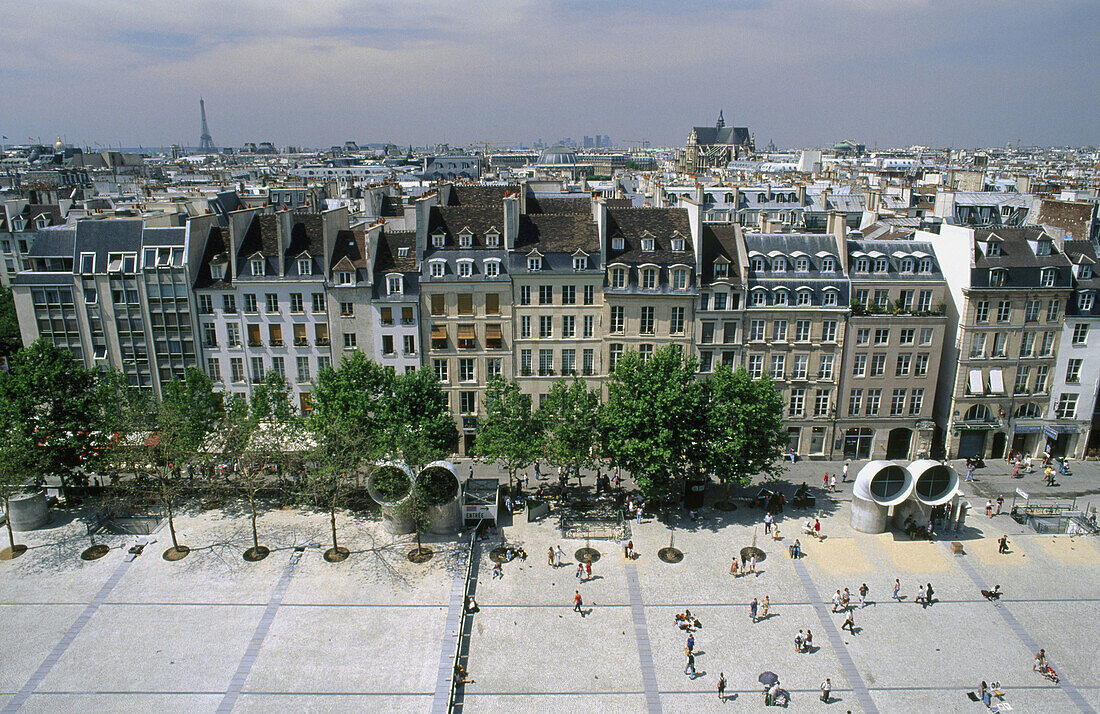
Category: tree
[744,426]
[123,411]
[185,419]
[10,341]
[50,399]
[17,460]
[570,418]
[652,423]
[334,467]
[510,431]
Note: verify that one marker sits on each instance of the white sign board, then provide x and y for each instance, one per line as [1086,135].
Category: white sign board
[1022,495]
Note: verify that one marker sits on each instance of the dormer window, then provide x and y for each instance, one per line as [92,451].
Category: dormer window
[395,285]
[403,252]
[802,265]
[163,256]
[1042,248]
[863,265]
[1047,277]
[678,244]
[18,224]
[779,265]
[492,240]
[257,266]
[925,265]
[87,263]
[881,265]
[345,277]
[438,239]
[1085,272]
[757,264]
[1084,301]
[679,279]
[649,278]
[580,262]
[781,298]
[997,277]
[437,268]
[305,266]
[828,264]
[492,268]
[647,244]
[465,268]
[41,222]
[617,243]
[759,298]
[907,265]
[721,270]
[217,271]
[618,278]
[994,249]
[534,262]
[465,240]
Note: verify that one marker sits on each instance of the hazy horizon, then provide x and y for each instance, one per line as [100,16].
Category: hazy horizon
[316,74]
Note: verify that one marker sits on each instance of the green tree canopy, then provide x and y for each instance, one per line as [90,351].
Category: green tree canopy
[569,415]
[351,407]
[10,341]
[653,421]
[50,398]
[419,426]
[509,432]
[744,426]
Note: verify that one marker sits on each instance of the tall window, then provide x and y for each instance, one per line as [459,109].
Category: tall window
[1004,309]
[648,321]
[756,330]
[589,326]
[568,294]
[859,365]
[546,326]
[778,367]
[568,326]
[821,402]
[916,401]
[797,405]
[676,323]
[828,331]
[1053,308]
[649,278]
[618,278]
[1067,406]
[589,294]
[618,319]
[779,330]
[825,367]
[874,396]
[855,402]
[897,402]
[546,294]
[756,366]
[1080,334]
[524,294]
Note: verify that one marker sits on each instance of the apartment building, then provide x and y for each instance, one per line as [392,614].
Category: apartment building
[1009,288]
[20,221]
[892,352]
[115,293]
[795,323]
[719,313]
[557,297]
[396,300]
[466,294]
[1076,377]
[651,285]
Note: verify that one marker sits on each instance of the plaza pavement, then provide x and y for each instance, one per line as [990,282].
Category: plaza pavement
[214,633]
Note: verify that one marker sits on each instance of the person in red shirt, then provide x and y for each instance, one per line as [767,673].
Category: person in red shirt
[577,602]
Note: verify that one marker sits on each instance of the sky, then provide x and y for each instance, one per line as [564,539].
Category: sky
[801,73]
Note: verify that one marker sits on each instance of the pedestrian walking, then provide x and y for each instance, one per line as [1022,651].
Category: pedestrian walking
[836,601]
[691,643]
[550,556]
[752,565]
[735,567]
[577,603]
[825,480]
[580,572]
[1000,503]
[850,623]
[638,517]
[630,549]
[832,482]
[845,599]
[826,687]
[721,685]
[1002,544]
[498,571]
[928,595]
[863,590]
[588,570]
[561,556]
[809,641]
[844,473]
[920,597]
[752,609]
[989,507]
[798,640]
[970,472]
[817,528]
[689,669]
[764,605]
[768,522]
[897,589]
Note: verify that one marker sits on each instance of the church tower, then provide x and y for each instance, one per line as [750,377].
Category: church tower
[721,120]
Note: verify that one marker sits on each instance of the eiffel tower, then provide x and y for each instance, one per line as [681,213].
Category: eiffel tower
[206,144]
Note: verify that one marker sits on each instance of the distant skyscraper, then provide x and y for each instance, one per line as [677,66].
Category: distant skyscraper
[206,144]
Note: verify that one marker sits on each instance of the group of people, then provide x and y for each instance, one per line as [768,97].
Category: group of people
[915,530]
[813,529]
[758,610]
[740,566]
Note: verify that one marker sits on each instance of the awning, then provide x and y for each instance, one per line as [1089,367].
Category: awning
[439,332]
[466,332]
[976,383]
[975,426]
[493,332]
[1028,428]
[996,382]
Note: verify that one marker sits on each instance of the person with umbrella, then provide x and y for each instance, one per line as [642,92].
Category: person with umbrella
[770,680]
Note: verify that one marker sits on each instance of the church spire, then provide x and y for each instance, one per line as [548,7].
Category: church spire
[721,120]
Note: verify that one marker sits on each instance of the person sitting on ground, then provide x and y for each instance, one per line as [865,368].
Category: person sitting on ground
[797,549]
[461,676]
[1040,660]
[471,605]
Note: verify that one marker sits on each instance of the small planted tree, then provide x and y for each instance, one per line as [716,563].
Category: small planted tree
[509,432]
[570,418]
[744,427]
[17,461]
[334,470]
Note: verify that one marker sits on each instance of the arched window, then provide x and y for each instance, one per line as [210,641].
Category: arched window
[1028,411]
[802,264]
[758,264]
[779,264]
[759,298]
[863,265]
[978,412]
[828,265]
[781,297]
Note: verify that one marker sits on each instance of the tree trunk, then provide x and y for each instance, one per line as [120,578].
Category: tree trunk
[255,535]
[7,519]
[332,516]
[419,548]
[171,521]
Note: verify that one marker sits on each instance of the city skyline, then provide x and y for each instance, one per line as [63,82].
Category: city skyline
[894,74]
